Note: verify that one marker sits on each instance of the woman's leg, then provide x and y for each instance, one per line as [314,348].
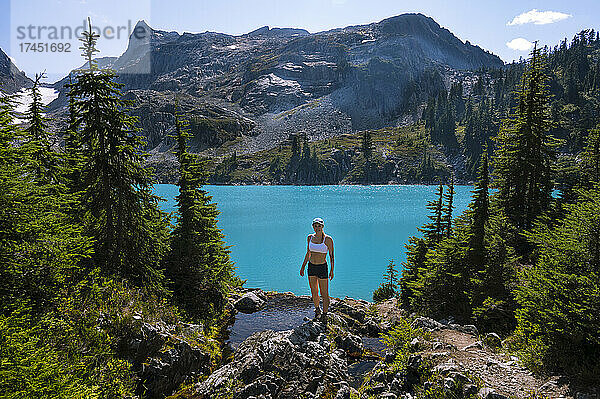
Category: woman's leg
[324,288]
[314,290]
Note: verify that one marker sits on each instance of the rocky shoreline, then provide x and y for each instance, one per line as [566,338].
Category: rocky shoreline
[342,357]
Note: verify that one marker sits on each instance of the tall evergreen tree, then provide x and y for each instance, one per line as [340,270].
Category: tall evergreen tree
[73,153]
[525,150]
[559,298]
[44,159]
[410,281]
[389,287]
[480,204]
[433,231]
[120,211]
[448,208]
[198,264]
[367,144]
[591,156]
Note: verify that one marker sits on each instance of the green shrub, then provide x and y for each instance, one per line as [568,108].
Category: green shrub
[559,317]
[399,338]
[383,292]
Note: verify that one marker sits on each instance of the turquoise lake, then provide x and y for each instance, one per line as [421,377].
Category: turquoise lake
[267,226]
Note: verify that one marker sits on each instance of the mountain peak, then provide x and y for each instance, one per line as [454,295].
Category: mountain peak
[142,24]
[284,32]
[11,78]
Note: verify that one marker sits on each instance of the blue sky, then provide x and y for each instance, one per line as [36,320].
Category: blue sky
[485,23]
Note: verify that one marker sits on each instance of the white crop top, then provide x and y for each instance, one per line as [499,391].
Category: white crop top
[322,248]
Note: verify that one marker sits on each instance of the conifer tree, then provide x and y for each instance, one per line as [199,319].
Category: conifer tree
[559,298]
[391,276]
[525,151]
[480,205]
[448,208]
[433,231]
[591,156]
[367,144]
[198,265]
[295,145]
[73,156]
[389,288]
[44,159]
[120,211]
[410,281]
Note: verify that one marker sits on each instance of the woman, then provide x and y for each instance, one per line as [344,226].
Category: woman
[318,245]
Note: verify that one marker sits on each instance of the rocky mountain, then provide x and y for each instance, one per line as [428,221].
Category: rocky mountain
[263,86]
[11,78]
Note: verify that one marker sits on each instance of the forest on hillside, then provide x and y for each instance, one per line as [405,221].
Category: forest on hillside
[521,261]
[455,124]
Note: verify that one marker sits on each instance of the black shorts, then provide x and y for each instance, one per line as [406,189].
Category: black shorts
[317,270]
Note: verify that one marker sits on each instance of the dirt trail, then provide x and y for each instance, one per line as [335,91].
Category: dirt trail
[497,370]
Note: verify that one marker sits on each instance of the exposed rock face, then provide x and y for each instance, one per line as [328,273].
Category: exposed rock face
[164,356]
[11,79]
[276,81]
[335,359]
[285,364]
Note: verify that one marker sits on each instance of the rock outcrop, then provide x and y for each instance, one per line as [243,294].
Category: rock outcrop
[285,364]
[165,356]
[335,358]
[11,78]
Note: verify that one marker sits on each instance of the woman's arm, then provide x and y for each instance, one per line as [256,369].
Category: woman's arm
[306,257]
[331,257]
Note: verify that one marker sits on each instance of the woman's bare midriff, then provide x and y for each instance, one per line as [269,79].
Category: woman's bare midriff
[317,258]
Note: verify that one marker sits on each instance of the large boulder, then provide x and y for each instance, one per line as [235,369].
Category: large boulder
[249,303]
[284,364]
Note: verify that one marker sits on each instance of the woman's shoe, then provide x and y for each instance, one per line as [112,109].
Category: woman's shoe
[324,317]
[317,313]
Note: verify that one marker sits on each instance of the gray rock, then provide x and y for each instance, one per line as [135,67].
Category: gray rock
[490,393]
[468,328]
[351,344]
[449,384]
[376,389]
[249,303]
[415,343]
[474,345]
[343,393]
[460,377]
[446,368]
[427,324]
[281,364]
[163,358]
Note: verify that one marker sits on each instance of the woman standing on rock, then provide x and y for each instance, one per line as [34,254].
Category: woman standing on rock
[318,245]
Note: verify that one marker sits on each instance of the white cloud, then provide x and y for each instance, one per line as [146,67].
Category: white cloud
[520,44]
[538,17]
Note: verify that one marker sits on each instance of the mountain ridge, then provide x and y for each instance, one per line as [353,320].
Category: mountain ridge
[288,81]
[11,78]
